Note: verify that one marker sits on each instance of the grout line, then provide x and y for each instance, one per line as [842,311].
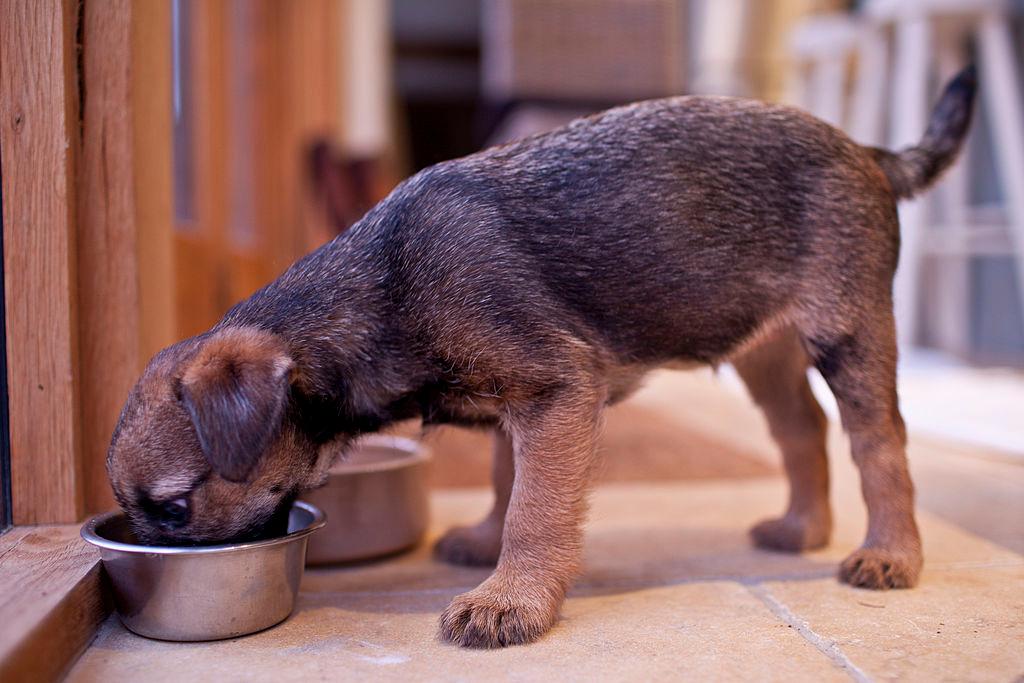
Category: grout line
[826,646]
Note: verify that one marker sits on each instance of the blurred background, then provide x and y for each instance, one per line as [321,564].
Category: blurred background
[255,130]
[292,118]
[373,91]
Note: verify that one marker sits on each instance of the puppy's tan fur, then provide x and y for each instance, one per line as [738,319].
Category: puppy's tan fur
[527,287]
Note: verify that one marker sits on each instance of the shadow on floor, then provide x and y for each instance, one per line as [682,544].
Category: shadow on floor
[618,561]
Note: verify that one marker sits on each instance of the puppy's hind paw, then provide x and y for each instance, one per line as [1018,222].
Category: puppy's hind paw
[791,533]
[881,569]
[481,619]
[473,546]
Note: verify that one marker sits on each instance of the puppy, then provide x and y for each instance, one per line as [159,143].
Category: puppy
[527,287]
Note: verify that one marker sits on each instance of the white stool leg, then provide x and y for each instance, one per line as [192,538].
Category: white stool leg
[951,307]
[997,63]
[909,117]
[796,86]
[828,83]
[868,103]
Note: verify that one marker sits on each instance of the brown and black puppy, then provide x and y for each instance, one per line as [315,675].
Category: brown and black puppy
[527,287]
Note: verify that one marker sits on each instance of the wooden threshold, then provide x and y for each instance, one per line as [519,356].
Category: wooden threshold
[51,601]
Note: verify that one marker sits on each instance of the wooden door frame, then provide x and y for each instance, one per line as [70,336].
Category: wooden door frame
[86,224]
[104,281]
[125,266]
[87,234]
[91,274]
[39,146]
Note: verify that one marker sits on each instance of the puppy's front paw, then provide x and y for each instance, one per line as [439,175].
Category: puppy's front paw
[485,618]
[474,546]
[792,533]
[881,569]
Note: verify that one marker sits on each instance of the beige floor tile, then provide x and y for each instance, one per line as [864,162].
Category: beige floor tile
[957,625]
[645,536]
[671,589]
[664,534]
[983,493]
[705,631]
[655,601]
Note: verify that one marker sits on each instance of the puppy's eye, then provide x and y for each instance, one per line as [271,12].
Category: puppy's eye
[174,512]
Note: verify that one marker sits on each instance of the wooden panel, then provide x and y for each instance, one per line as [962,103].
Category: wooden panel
[294,50]
[253,249]
[38,139]
[264,77]
[312,86]
[107,268]
[151,119]
[51,601]
[124,241]
[201,295]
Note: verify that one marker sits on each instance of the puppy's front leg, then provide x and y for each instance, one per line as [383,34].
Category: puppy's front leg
[542,541]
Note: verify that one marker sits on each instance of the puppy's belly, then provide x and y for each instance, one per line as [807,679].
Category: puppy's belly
[682,365]
[625,380]
[483,410]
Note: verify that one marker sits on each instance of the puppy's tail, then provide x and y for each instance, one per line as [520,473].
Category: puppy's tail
[913,169]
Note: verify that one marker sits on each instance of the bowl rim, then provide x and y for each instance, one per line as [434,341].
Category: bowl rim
[413,453]
[90,535]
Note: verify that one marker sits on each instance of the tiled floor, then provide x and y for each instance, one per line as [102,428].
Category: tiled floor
[671,590]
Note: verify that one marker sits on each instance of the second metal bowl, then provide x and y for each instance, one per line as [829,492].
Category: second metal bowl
[376,500]
[203,592]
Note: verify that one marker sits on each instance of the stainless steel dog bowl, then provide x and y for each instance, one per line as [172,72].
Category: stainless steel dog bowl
[376,500]
[203,592]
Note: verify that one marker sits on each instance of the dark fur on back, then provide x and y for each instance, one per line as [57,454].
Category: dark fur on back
[666,230]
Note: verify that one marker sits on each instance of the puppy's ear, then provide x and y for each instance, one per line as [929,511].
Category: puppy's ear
[236,389]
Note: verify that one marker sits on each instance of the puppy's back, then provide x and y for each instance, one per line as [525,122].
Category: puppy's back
[664,228]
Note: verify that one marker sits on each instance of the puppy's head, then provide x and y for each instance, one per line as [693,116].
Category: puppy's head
[204,451]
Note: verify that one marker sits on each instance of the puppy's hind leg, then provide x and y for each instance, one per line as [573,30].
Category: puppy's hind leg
[775,373]
[480,545]
[860,368]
